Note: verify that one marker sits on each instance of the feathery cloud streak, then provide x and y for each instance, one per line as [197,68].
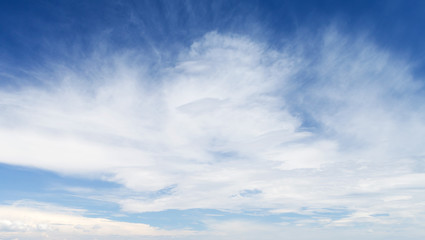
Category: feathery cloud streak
[234,125]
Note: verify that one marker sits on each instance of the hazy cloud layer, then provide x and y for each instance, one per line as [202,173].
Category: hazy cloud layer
[50,222]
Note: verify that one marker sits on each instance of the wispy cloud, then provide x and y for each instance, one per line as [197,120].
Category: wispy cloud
[229,117]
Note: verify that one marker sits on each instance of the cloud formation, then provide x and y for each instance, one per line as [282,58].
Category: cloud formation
[234,125]
[50,222]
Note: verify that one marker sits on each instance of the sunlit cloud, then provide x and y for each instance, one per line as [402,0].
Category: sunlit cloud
[50,222]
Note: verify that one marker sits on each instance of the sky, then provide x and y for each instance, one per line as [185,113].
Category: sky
[210,120]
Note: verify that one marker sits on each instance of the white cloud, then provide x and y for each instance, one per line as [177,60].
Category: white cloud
[35,223]
[225,119]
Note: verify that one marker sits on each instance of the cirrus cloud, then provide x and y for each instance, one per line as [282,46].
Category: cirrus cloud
[233,116]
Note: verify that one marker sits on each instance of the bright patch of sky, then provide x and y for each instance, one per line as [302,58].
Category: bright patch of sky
[212,120]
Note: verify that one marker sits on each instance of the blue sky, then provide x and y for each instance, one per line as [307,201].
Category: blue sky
[212,120]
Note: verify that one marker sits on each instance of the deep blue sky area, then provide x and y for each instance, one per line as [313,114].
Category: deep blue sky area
[33,32]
